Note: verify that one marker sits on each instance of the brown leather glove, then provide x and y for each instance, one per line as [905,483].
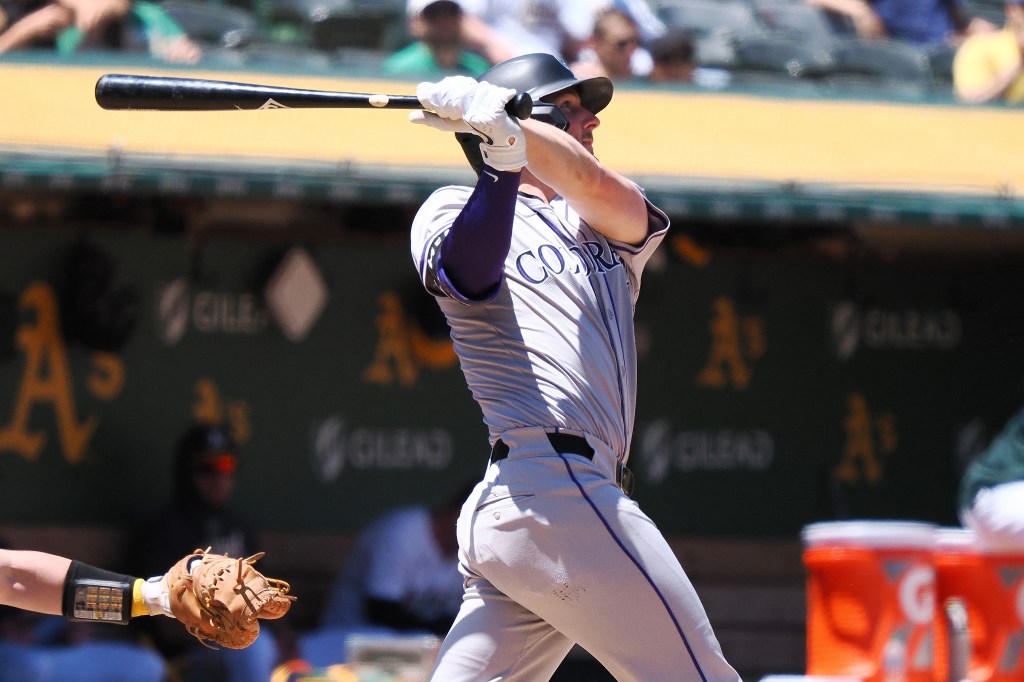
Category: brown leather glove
[220,599]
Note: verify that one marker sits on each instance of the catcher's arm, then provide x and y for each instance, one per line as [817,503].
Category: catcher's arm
[52,584]
[221,606]
[33,581]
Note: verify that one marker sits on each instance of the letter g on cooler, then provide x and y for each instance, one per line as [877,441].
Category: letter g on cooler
[917,594]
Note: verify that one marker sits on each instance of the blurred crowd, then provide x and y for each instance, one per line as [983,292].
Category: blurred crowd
[968,48]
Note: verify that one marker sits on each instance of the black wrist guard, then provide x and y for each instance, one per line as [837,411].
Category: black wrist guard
[93,594]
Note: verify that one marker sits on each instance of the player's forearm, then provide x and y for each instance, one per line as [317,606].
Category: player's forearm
[33,581]
[55,585]
[610,203]
[473,254]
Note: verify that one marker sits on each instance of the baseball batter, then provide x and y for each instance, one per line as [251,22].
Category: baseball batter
[537,269]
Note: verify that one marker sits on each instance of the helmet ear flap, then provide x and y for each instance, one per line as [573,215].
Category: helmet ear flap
[549,113]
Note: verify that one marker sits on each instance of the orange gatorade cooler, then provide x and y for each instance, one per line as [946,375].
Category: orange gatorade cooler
[990,583]
[870,599]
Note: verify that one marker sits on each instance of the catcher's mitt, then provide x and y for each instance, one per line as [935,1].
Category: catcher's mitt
[219,599]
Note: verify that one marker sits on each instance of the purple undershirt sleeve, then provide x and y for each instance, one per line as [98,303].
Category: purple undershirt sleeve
[473,254]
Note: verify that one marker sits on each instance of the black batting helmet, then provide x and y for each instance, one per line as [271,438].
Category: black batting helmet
[540,74]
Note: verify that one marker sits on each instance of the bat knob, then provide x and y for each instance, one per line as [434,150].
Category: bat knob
[520,106]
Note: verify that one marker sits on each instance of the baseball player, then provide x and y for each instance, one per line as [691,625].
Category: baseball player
[537,269]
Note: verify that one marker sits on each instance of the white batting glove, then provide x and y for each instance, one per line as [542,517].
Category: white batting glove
[492,154]
[448,98]
[504,145]
[434,121]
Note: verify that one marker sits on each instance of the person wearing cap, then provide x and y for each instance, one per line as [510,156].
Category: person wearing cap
[198,516]
[439,48]
[990,67]
[537,268]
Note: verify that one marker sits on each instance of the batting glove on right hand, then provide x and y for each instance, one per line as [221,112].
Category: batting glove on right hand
[504,145]
[480,106]
[448,98]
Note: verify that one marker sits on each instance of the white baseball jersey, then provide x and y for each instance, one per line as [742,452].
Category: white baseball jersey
[554,347]
[552,551]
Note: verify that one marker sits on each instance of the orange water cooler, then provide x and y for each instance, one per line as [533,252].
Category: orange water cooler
[871,600]
[990,583]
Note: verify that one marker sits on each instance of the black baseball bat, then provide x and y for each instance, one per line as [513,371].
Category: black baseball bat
[165,93]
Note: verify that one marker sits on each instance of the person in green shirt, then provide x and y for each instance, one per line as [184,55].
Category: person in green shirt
[439,48]
[71,26]
[991,499]
[145,27]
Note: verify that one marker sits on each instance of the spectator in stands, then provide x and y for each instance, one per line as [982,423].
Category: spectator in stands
[403,573]
[675,62]
[990,66]
[924,23]
[674,56]
[26,24]
[146,27]
[70,26]
[439,49]
[991,501]
[47,648]
[197,517]
[610,49]
[501,29]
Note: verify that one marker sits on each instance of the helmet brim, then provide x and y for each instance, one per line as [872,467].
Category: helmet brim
[595,93]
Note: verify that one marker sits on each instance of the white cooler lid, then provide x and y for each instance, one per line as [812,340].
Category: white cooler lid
[908,534]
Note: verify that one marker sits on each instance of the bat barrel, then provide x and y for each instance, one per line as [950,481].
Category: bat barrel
[119,92]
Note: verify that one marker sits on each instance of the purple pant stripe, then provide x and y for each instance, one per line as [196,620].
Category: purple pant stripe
[636,563]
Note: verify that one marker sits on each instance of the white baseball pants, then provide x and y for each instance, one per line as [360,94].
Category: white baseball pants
[553,553]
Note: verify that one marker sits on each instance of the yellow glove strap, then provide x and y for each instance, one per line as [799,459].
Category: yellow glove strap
[138,605]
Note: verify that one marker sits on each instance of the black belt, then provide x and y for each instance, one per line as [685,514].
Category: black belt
[567,444]
[562,443]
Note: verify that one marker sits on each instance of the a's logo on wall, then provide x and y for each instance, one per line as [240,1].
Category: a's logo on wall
[336,447]
[737,343]
[208,312]
[854,328]
[404,346]
[870,438]
[209,407]
[47,382]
